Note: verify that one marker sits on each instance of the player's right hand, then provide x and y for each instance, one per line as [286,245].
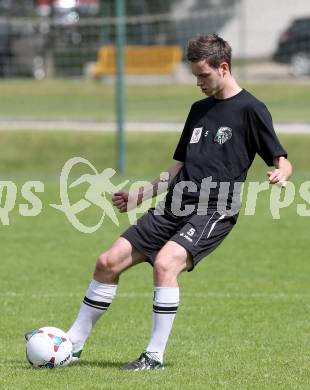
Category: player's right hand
[126,201]
[120,200]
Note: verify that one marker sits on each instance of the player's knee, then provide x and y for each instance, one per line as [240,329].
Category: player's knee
[163,267]
[168,267]
[106,263]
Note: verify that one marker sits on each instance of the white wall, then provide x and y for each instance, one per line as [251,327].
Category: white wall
[255,30]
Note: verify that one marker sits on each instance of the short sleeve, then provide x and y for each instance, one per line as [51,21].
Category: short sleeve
[180,151]
[262,134]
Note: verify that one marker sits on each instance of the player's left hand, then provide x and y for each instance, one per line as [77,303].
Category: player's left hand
[278,177]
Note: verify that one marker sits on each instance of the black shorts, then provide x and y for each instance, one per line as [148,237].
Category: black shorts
[198,234]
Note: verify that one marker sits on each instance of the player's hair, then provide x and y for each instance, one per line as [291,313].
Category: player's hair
[212,48]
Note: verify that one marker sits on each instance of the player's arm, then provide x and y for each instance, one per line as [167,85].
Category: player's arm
[126,201]
[282,172]
[155,188]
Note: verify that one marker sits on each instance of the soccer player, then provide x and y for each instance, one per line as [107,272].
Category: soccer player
[221,136]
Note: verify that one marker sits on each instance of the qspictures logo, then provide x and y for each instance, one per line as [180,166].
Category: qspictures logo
[100,187]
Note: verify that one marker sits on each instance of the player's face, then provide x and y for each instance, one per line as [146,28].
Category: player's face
[209,80]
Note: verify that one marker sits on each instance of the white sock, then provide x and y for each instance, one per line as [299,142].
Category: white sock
[96,302]
[166,302]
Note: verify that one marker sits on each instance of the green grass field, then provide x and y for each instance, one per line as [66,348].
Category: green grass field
[78,99]
[243,322]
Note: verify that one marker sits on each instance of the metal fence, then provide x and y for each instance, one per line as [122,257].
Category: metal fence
[64,45]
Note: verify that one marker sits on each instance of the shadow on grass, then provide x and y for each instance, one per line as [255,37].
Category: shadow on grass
[107,364]
[17,364]
[99,363]
[23,365]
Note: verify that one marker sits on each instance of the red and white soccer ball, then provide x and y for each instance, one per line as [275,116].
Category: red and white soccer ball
[48,347]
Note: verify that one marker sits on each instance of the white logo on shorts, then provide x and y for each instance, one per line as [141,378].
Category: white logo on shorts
[188,234]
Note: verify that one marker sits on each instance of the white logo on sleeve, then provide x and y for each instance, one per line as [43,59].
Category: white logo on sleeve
[196,135]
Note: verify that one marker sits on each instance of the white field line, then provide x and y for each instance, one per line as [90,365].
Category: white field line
[87,125]
[148,295]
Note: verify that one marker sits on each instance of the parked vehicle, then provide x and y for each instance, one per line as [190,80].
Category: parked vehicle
[294,47]
[58,42]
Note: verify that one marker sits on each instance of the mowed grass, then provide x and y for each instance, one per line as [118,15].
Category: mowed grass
[94,100]
[243,321]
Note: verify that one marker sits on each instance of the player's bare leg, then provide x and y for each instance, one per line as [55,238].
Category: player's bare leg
[169,263]
[121,256]
[102,289]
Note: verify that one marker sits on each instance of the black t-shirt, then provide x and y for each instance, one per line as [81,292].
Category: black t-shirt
[220,139]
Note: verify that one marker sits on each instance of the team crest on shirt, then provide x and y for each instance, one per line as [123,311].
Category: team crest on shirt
[196,135]
[223,134]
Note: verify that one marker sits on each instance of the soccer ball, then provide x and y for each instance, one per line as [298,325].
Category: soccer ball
[48,347]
